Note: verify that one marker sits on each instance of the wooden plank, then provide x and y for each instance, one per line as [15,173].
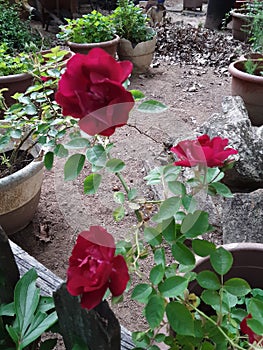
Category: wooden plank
[48,282]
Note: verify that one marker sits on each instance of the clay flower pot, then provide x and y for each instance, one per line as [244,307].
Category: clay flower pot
[20,194]
[250,88]
[109,46]
[241,24]
[141,55]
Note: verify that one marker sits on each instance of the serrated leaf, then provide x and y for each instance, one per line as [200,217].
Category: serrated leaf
[73,166]
[202,247]
[195,224]
[77,143]
[255,308]
[159,256]
[183,254]
[152,106]
[97,155]
[152,236]
[221,260]
[115,165]
[119,213]
[208,280]
[92,183]
[237,286]
[167,209]
[49,160]
[255,325]
[141,293]
[173,286]
[154,311]
[180,318]
[221,189]
[60,151]
[176,187]
[156,274]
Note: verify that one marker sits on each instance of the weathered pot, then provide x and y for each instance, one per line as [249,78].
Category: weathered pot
[250,88]
[247,264]
[241,24]
[20,194]
[109,46]
[14,83]
[141,55]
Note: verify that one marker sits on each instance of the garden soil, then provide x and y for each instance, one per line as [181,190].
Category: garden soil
[192,92]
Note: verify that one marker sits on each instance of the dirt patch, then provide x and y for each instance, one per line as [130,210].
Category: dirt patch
[192,92]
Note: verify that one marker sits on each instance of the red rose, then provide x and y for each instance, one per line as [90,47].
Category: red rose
[93,268]
[203,151]
[91,89]
[252,337]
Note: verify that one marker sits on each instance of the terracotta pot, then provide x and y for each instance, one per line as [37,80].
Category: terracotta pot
[250,88]
[14,83]
[20,194]
[248,264]
[241,23]
[141,55]
[109,46]
[252,56]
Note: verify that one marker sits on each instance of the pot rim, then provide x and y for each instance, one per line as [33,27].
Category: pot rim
[239,74]
[23,174]
[116,39]
[15,77]
[238,14]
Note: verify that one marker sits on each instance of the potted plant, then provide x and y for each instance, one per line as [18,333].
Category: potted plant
[29,124]
[138,40]
[89,31]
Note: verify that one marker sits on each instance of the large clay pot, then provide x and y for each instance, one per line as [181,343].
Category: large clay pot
[250,88]
[247,264]
[109,46]
[241,24]
[14,83]
[20,194]
[141,55]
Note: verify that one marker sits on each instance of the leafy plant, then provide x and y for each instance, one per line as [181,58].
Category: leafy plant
[254,67]
[90,28]
[256,30]
[14,64]
[16,33]
[24,320]
[131,23]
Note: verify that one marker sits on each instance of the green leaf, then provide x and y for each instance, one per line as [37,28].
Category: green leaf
[208,280]
[210,297]
[141,293]
[207,346]
[137,94]
[255,308]
[176,187]
[132,194]
[7,309]
[154,177]
[152,106]
[202,247]
[152,236]
[48,344]
[237,286]
[159,256]
[221,189]
[182,254]
[180,318]
[92,183]
[119,213]
[167,209]
[115,165]
[256,326]
[189,203]
[48,160]
[30,109]
[77,143]
[173,286]
[221,260]
[169,230]
[195,224]
[61,151]
[119,197]
[214,174]
[156,274]
[26,298]
[171,173]
[154,311]
[73,166]
[97,156]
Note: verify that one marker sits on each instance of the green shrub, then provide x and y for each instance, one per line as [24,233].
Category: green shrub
[16,33]
[131,23]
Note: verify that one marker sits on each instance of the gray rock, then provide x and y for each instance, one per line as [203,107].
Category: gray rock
[233,123]
[242,219]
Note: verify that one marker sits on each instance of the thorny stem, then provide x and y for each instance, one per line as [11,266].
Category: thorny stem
[142,132]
